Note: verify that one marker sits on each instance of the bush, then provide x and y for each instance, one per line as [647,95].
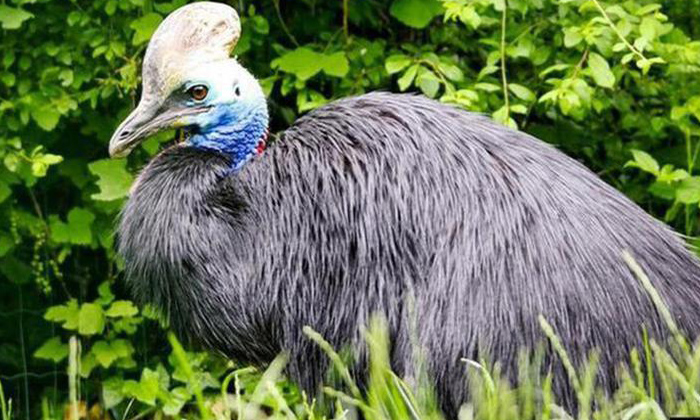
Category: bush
[614,84]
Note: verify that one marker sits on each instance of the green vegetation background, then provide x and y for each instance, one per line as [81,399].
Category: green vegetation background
[614,84]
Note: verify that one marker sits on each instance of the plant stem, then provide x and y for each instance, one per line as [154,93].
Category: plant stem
[438,72]
[345,19]
[580,63]
[284,25]
[617,31]
[73,372]
[24,353]
[504,77]
[181,358]
[690,158]
[4,412]
[144,413]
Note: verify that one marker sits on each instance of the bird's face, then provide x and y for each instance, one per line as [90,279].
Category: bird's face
[215,95]
[191,83]
[220,104]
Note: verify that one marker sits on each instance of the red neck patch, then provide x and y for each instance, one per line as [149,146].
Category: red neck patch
[262,143]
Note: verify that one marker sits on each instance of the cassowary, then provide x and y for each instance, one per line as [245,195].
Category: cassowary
[460,232]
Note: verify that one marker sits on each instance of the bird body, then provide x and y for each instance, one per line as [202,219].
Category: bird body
[437,219]
[458,231]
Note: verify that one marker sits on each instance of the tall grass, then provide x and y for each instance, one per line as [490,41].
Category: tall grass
[673,367]
[5,406]
[658,380]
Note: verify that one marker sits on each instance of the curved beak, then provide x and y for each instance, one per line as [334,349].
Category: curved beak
[144,121]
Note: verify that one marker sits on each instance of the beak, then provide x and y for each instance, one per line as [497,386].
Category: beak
[144,121]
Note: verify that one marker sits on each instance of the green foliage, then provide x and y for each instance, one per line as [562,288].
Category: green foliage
[614,84]
[415,13]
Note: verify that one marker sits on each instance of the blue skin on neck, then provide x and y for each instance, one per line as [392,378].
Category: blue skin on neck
[234,129]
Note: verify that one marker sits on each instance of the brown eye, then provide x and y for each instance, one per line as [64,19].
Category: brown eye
[198,92]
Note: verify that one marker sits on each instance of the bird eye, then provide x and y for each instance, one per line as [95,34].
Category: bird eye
[198,92]
[237,91]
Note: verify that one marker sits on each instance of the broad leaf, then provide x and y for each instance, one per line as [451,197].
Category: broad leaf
[13,17]
[78,229]
[396,63]
[302,62]
[46,116]
[688,191]
[144,27]
[67,314]
[644,161]
[91,319]
[114,180]
[335,64]
[408,77]
[521,92]
[53,349]
[600,70]
[121,308]
[415,13]
[104,353]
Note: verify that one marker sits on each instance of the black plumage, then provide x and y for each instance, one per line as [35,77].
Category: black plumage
[369,203]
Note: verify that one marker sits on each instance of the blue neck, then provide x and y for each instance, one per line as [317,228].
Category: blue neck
[234,130]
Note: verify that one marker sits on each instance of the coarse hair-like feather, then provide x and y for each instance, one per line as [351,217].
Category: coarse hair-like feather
[372,202]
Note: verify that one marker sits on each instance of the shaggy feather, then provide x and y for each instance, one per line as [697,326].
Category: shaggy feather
[383,202]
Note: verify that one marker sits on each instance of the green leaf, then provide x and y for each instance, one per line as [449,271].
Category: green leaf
[80,221]
[121,308]
[175,400]
[521,92]
[150,384]
[469,16]
[87,363]
[663,190]
[451,71]
[415,13]
[46,116]
[335,64]
[396,63]
[7,242]
[302,62]
[114,180]
[308,99]
[644,161]
[78,229]
[41,162]
[105,292]
[104,354]
[502,116]
[600,70]
[487,87]
[668,174]
[428,83]
[144,27]
[112,393]
[518,109]
[408,77]
[144,390]
[648,28]
[67,314]
[5,191]
[91,319]
[15,270]
[12,18]
[52,349]
[572,36]
[122,348]
[688,191]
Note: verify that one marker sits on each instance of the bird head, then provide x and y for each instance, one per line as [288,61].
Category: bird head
[191,83]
